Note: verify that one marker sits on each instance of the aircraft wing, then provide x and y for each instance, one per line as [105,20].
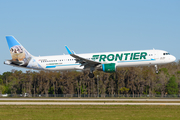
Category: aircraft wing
[87,63]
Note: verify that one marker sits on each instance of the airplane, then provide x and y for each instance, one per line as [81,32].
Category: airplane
[106,61]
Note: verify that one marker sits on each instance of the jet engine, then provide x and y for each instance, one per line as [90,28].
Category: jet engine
[109,67]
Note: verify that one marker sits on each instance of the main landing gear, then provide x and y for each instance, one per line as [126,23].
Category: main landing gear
[156,69]
[91,75]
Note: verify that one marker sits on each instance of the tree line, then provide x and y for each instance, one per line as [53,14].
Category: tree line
[127,80]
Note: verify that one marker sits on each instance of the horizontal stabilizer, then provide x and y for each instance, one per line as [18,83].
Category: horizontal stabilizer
[13,62]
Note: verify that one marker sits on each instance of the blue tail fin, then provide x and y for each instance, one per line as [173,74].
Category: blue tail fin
[18,52]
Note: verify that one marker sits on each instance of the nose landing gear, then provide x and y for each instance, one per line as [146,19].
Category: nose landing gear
[91,74]
[156,69]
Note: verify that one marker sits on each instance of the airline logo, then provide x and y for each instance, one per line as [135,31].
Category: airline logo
[119,57]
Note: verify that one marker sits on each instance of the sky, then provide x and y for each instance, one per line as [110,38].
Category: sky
[44,27]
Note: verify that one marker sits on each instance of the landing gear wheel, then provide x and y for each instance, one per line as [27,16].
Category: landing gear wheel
[91,75]
[156,69]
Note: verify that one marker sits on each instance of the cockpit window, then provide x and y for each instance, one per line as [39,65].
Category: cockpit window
[166,53]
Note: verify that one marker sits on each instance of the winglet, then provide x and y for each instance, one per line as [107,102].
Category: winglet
[69,51]
[73,52]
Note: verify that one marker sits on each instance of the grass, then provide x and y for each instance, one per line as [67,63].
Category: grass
[91,101]
[86,112]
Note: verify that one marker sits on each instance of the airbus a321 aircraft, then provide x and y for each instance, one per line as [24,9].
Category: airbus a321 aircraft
[106,61]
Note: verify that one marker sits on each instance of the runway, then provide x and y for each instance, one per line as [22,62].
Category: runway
[81,103]
[60,99]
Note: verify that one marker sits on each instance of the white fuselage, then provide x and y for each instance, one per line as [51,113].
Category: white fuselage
[121,59]
[107,61]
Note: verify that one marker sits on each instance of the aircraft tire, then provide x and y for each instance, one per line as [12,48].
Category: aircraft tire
[91,75]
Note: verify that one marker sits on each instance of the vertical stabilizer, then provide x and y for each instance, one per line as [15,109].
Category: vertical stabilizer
[18,52]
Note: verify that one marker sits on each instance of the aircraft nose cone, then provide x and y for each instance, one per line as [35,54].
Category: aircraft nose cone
[173,58]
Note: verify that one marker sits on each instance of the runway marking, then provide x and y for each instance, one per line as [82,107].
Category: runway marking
[78,103]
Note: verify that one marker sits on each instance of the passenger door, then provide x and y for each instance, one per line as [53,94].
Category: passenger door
[156,55]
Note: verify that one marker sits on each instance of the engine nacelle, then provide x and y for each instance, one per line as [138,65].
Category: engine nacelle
[110,67]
